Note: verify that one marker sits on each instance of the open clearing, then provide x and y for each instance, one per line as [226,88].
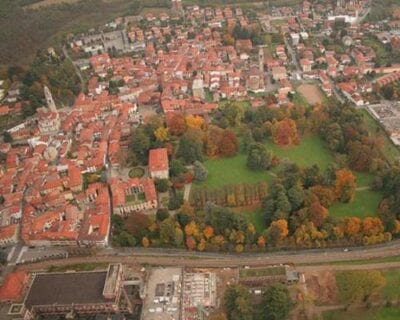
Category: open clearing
[311,92]
[233,170]
[312,146]
[365,204]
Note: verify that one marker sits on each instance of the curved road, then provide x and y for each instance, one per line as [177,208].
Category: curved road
[167,257]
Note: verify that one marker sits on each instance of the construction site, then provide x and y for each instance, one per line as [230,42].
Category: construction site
[176,293]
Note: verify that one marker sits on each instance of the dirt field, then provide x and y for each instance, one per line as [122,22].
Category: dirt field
[322,286]
[311,92]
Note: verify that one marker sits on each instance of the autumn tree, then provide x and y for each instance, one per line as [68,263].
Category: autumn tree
[145,242]
[284,132]
[191,229]
[352,226]
[326,196]
[213,137]
[307,235]
[317,214]
[177,125]
[345,186]
[194,122]
[261,242]
[208,232]
[228,144]
[191,243]
[277,231]
[161,134]
[372,226]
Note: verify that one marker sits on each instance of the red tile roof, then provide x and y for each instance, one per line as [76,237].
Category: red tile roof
[13,286]
[158,160]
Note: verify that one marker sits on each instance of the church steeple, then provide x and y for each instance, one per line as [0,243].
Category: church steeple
[49,100]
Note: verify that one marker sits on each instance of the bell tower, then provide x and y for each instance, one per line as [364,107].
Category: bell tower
[49,100]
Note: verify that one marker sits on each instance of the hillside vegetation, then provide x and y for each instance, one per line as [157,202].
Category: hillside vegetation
[24,31]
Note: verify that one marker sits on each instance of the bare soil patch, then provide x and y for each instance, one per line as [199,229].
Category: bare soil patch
[311,93]
[322,286]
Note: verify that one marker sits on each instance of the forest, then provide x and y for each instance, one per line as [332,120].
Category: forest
[24,31]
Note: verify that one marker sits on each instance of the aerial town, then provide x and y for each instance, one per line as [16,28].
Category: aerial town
[140,158]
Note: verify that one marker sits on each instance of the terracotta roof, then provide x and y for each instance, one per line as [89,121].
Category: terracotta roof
[13,286]
[158,160]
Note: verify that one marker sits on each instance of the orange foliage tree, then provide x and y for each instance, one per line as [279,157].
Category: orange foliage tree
[208,232]
[345,186]
[228,144]
[191,229]
[261,242]
[284,132]
[372,226]
[191,243]
[352,226]
[194,122]
[177,125]
[318,214]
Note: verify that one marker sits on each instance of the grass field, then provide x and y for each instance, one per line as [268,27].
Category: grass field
[391,151]
[231,171]
[370,314]
[234,170]
[254,216]
[311,150]
[365,204]
[364,179]
[391,290]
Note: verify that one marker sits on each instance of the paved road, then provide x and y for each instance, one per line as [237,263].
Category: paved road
[196,259]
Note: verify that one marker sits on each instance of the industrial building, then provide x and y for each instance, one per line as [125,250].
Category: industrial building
[72,294]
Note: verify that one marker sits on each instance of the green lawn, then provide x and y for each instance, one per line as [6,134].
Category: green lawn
[364,179]
[370,314]
[231,171]
[391,151]
[245,104]
[311,150]
[365,204]
[391,290]
[254,216]
[257,219]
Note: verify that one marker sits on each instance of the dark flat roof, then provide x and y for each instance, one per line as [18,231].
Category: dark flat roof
[67,288]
